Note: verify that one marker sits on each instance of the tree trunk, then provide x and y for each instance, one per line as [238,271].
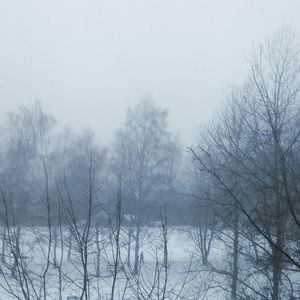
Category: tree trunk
[235,255]
[69,245]
[129,247]
[55,245]
[3,244]
[98,253]
[137,249]
[277,260]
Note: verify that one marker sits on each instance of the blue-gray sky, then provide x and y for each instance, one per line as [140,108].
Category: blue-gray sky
[88,60]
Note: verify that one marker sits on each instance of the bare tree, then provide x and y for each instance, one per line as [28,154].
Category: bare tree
[143,152]
[248,151]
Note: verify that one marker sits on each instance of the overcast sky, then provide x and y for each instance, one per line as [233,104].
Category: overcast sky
[88,60]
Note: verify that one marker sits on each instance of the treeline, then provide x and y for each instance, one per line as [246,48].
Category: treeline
[143,152]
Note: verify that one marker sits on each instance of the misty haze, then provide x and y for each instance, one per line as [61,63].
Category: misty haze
[149,150]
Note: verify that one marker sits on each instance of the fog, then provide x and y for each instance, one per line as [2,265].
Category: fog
[149,150]
[88,60]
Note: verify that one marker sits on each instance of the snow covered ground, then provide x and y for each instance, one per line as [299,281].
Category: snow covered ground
[184,278]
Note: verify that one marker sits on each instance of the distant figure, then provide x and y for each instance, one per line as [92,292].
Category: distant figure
[142,258]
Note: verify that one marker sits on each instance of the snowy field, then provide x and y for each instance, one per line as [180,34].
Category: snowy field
[183,277]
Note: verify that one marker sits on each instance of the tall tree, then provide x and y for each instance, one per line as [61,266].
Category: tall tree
[26,139]
[256,140]
[144,152]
